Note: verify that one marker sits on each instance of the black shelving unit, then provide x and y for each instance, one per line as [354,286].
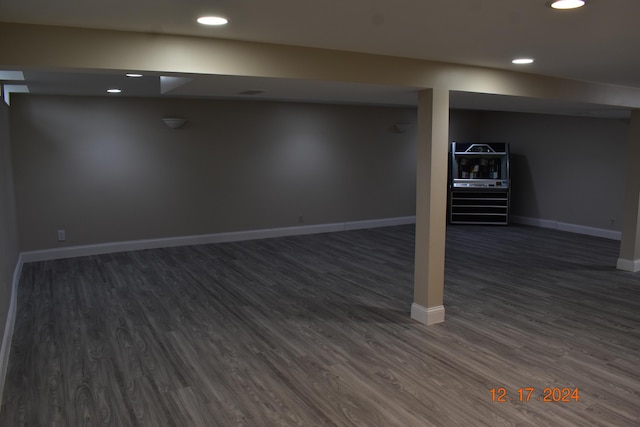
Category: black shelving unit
[479,188]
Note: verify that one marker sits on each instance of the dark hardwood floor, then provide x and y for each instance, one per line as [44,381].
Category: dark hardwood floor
[315,331]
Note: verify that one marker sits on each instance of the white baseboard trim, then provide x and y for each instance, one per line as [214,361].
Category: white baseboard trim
[9,325]
[572,228]
[628,265]
[427,316]
[376,223]
[234,236]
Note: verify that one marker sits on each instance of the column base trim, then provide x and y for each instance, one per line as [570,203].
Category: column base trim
[427,315]
[632,265]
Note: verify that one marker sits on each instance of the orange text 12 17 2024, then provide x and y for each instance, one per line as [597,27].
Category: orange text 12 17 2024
[526,394]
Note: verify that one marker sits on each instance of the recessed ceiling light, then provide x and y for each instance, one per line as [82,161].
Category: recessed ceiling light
[567,4]
[212,20]
[133,75]
[114,90]
[521,61]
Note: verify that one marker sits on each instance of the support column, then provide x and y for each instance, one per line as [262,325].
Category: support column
[431,205]
[629,259]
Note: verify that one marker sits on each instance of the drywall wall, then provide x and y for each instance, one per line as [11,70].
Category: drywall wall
[565,169]
[108,169]
[464,125]
[8,229]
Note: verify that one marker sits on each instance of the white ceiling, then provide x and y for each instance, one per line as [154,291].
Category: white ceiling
[599,42]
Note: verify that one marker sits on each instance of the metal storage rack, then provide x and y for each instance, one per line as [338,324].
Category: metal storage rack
[479,188]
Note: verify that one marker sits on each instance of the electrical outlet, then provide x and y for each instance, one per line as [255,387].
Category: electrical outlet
[62,235]
[300,219]
[613,221]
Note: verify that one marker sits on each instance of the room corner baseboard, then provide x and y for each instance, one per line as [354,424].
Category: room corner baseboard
[628,265]
[235,236]
[9,325]
[427,316]
[564,226]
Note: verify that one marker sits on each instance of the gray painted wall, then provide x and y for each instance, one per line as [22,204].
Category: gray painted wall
[566,169]
[108,169]
[8,230]
[464,125]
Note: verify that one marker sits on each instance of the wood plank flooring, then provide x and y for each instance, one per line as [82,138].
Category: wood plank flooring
[315,331]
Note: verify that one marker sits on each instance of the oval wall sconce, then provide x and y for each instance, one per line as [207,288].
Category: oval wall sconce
[174,122]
